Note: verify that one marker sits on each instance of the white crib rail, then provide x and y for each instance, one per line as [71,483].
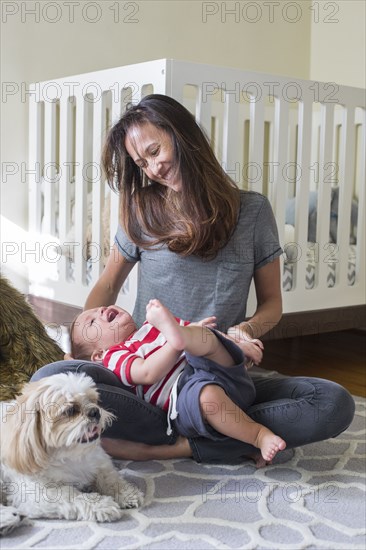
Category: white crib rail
[263,128]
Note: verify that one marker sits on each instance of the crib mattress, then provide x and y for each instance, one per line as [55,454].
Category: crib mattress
[289,270]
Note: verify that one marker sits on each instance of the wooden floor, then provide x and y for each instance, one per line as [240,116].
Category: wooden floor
[337,356]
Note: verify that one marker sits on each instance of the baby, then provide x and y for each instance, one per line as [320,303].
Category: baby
[190,370]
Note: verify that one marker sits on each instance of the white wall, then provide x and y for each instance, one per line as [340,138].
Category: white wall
[338,47]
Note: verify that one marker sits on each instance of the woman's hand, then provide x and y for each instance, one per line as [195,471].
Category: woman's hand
[251,347]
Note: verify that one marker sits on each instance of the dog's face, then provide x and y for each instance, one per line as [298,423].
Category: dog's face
[55,413]
[69,411]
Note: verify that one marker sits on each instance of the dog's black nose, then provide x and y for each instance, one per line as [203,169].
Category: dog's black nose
[94,413]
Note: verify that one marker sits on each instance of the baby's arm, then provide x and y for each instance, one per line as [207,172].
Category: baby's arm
[152,369]
[158,364]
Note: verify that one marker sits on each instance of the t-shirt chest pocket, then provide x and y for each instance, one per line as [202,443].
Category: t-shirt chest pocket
[234,271]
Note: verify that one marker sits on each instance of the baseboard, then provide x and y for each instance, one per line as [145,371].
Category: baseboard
[52,312]
[290,326]
[318,321]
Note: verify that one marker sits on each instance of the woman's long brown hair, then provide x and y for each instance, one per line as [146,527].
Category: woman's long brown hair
[198,219]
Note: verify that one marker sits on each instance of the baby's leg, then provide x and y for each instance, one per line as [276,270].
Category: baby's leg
[196,340]
[227,418]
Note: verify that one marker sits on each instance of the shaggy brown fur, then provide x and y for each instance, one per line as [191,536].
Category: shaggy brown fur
[24,343]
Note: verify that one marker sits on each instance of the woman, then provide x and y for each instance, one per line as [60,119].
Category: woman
[199,241]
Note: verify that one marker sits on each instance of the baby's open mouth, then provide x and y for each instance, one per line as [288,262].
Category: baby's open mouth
[111,315]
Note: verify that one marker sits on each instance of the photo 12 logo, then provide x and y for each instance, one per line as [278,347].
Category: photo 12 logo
[269,12]
[71,12]
[252,492]
[51,91]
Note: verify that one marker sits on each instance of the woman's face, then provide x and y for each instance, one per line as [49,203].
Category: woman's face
[152,150]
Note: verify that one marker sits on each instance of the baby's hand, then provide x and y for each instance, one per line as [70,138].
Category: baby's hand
[207,322]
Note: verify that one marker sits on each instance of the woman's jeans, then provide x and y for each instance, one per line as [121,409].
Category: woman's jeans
[298,409]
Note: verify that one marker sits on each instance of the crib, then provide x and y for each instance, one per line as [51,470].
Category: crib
[301,143]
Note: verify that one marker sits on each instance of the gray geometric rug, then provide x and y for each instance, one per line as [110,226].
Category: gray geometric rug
[313,498]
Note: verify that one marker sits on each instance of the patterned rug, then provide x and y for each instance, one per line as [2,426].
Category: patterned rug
[312,498]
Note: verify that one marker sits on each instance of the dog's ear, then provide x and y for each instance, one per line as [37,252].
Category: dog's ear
[23,445]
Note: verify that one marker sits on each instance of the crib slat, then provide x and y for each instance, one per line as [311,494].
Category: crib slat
[361,220]
[203,111]
[346,176]
[324,189]
[280,157]
[49,177]
[66,165]
[114,198]
[66,171]
[80,193]
[231,138]
[97,194]
[114,204]
[256,143]
[34,158]
[302,187]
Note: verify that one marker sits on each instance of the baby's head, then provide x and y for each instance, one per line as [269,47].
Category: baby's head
[98,329]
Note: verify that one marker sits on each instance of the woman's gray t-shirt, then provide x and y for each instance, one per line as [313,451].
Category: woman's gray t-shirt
[194,288]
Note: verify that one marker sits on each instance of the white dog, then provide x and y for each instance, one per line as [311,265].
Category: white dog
[51,454]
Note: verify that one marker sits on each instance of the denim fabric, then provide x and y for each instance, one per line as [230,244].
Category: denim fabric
[200,372]
[136,420]
[301,410]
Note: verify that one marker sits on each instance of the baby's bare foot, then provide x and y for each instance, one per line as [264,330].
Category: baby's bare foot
[161,318]
[269,444]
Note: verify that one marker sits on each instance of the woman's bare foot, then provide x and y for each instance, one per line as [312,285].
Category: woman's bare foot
[258,460]
[161,318]
[130,450]
[269,444]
